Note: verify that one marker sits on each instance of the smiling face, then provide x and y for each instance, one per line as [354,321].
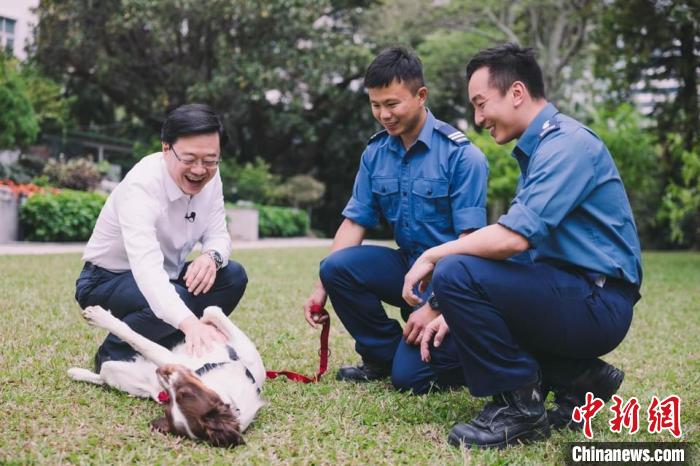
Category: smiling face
[200,148]
[399,110]
[496,112]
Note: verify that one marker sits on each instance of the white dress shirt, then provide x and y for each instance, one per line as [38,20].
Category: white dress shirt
[142,228]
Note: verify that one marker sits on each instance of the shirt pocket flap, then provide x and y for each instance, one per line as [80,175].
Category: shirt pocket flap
[384,186]
[430,188]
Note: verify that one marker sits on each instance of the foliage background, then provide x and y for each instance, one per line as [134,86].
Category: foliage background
[287,77]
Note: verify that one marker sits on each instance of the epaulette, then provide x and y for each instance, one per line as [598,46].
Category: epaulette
[547,127]
[376,135]
[452,134]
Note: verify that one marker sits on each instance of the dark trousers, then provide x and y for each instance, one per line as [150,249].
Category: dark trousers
[511,319]
[119,293]
[358,279]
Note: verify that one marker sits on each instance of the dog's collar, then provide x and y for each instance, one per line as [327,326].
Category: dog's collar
[209,366]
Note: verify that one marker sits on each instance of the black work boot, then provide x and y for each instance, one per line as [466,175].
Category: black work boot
[365,372]
[601,379]
[509,419]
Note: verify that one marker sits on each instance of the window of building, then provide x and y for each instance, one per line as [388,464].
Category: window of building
[7,34]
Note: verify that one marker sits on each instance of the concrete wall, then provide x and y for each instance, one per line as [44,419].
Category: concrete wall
[243,223]
[9,216]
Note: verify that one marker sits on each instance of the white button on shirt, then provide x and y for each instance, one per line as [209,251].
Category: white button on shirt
[142,228]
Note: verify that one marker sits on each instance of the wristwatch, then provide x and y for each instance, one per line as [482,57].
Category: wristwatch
[216,257]
[433,302]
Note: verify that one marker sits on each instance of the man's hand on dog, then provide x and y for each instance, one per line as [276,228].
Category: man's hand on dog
[417,322]
[199,336]
[318,297]
[200,274]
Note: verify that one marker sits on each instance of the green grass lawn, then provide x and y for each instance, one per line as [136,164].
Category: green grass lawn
[48,418]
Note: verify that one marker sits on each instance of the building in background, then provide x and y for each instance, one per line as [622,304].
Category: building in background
[17,21]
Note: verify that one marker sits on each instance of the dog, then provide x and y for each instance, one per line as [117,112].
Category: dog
[213,398]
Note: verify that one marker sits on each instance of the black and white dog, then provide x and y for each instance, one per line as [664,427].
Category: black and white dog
[212,398]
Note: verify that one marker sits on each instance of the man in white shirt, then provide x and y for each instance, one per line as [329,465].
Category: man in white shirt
[135,260]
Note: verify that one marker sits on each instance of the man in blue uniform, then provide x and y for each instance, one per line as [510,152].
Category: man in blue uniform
[522,328]
[429,183]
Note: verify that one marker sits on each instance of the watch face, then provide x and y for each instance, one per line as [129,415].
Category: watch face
[217,258]
[433,302]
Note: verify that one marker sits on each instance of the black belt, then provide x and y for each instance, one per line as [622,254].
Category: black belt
[629,290]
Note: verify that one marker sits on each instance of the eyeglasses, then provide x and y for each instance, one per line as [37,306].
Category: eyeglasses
[191,161]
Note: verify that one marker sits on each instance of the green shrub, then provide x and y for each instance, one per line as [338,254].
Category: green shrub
[503,172]
[281,221]
[66,216]
[252,182]
[80,173]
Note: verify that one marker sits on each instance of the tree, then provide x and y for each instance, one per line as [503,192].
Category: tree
[284,74]
[18,121]
[651,41]
[651,46]
[446,34]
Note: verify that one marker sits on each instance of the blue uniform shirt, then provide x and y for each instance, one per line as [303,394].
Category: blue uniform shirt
[429,194]
[570,203]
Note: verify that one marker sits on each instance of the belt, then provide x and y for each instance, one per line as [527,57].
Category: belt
[629,290]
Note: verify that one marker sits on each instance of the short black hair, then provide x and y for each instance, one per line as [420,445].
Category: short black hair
[508,63]
[395,63]
[192,119]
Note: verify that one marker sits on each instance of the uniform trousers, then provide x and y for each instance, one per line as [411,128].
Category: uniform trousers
[510,320]
[357,280]
[119,293]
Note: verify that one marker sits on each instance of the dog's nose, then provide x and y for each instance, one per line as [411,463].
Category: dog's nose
[164,371]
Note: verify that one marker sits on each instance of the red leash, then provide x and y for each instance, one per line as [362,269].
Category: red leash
[323,353]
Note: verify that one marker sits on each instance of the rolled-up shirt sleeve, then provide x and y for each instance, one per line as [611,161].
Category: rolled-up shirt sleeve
[362,207]
[560,175]
[468,189]
[216,236]
[137,213]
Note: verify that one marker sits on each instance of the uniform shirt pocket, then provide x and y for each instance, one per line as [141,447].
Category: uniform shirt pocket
[386,191]
[431,200]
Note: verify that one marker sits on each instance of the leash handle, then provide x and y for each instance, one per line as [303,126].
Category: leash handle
[323,353]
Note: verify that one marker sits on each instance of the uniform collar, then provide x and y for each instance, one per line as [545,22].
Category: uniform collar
[426,133]
[534,132]
[425,136]
[171,188]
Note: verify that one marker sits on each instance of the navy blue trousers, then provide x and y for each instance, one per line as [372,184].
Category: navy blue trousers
[358,279]
[511,319]
[119,293]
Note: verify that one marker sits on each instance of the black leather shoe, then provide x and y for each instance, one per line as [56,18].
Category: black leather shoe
[602,379]
[510,418]
[365,372]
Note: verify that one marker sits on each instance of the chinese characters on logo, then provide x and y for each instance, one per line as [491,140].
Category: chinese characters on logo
[661,415]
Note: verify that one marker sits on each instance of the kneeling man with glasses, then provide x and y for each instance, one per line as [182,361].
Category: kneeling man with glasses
[135,260]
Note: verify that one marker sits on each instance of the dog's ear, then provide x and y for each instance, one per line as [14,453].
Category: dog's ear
[221,427]
[161,425]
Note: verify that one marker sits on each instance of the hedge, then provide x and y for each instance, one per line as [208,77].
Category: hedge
[66,216]
[281,221]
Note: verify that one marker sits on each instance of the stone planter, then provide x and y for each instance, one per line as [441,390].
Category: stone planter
[243,223]
[9,216]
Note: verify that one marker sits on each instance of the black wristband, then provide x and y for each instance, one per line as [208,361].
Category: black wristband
[433,302]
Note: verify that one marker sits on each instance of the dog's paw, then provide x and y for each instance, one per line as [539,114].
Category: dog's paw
[213,312]
[84,375]
[97,316]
